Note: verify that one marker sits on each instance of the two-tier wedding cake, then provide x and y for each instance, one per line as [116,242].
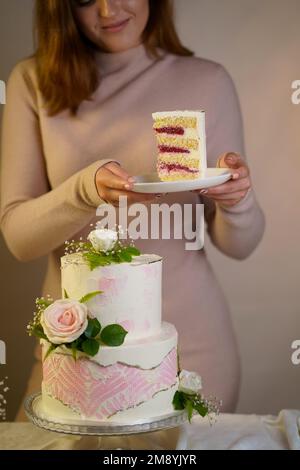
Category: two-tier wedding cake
[107,354]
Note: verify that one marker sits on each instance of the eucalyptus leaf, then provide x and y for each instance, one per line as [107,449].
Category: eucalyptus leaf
[66,294]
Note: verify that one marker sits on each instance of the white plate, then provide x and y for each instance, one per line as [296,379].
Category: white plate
[152,184]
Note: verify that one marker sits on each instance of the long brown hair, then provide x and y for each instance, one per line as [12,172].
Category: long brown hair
[65,58]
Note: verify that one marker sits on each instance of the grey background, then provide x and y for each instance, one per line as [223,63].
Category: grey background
[258,41]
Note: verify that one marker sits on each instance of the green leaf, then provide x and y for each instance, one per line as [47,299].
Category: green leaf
[201,409]
[74,350]
[133,251]
[90,346]
[125,256]
[93,328]
[50,349]
[66,294]
[39,332]
[95,260]
[113,335]
[189,407]
[89,296]
[179,400]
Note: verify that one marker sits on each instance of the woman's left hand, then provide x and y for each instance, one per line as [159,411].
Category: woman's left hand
[235,189]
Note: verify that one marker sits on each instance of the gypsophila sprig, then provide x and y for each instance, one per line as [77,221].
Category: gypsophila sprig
[34,327]
[196,403]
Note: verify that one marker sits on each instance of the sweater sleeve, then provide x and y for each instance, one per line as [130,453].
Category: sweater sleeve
[235,230]
[36,219]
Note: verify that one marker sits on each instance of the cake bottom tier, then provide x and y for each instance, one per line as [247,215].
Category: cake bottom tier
[85,389]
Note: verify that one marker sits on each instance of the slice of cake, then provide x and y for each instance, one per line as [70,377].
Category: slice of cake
[181,143]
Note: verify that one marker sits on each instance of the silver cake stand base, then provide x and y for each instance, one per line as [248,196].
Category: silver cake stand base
[100,428]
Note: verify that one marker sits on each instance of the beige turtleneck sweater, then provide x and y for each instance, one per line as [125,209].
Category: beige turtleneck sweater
[48,193]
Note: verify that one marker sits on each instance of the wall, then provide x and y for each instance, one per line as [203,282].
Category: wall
[257,41]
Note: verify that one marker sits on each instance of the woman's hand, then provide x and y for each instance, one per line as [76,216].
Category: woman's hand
[113,181]
[233,191]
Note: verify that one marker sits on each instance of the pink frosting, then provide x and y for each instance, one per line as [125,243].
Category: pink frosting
[96,391]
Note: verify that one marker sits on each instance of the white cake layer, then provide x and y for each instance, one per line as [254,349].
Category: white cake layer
[186,113]
[159,405]
[144,353]
[131,292]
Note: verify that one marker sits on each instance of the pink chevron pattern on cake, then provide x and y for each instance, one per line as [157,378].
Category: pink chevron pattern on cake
[96,391]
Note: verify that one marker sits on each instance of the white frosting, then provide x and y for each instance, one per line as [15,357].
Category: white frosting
[144,353]
[159,405]
[186,113]
[131,292]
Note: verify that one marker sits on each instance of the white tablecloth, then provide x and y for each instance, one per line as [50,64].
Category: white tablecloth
[229,432]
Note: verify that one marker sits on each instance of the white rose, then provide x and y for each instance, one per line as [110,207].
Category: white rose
[103,239]
[189,382]
[64,321]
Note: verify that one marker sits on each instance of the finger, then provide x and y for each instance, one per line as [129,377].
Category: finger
[241,172]
[230,187]
[107,179]
[116,169]
[230,160]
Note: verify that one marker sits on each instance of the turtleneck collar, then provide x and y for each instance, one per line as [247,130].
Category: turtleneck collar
[113,62]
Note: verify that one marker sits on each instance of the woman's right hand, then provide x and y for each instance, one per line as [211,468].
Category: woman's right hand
[113,181]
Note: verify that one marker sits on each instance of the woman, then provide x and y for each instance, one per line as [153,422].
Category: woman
[77,126]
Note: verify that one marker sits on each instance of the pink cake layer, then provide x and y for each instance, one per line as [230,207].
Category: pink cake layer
[98,392]
[173,130]
[175,167]
[169,149]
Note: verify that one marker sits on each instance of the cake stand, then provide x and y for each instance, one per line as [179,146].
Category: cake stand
[32,406]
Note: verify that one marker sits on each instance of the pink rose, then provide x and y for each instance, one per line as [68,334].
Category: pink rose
[64,321]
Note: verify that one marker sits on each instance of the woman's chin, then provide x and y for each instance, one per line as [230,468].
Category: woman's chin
[118,46]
